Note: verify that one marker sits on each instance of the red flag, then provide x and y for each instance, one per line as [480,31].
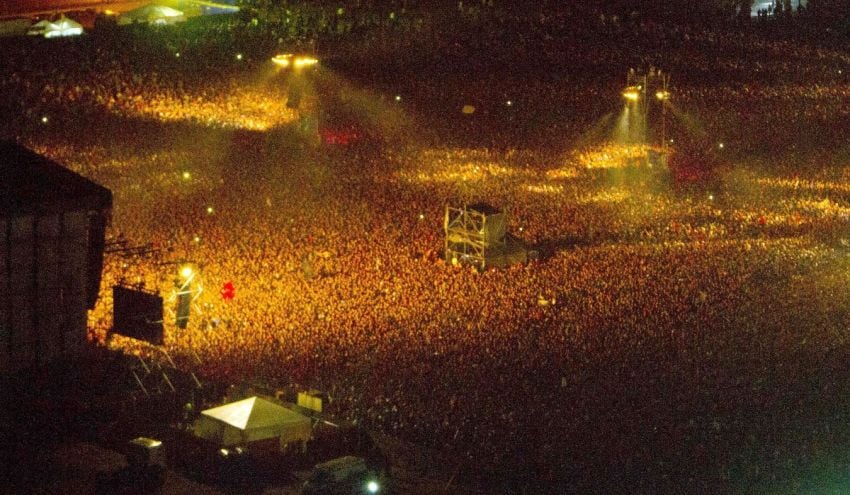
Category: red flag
[228,292]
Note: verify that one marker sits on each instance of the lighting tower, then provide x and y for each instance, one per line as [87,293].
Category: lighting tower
[647,95]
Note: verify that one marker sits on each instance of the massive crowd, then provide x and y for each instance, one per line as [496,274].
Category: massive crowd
[667,335]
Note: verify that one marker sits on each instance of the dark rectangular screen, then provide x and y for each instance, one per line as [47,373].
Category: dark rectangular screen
[137,314]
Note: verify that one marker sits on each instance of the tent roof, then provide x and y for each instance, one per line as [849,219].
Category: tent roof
[32,184]
[153,10]
[66,23]
[254,412]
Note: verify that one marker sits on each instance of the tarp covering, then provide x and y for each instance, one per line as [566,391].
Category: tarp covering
[250,420]
[152,14]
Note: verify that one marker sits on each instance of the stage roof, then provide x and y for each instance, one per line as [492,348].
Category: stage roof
[32,184]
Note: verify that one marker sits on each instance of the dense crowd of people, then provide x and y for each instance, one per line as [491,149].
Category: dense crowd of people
[666,335]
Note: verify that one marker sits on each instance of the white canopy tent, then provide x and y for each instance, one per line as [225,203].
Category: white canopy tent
[39,28]
[56,29]
[152,14]
[64,27]
[250,420]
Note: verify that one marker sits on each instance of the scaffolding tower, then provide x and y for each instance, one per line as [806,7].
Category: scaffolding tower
[647,96]
[477,235]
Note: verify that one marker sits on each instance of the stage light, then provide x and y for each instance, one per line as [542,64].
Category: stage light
[662,95]
[186,271]
[373,486]
[287,59]
[305,62]
[210,210]
[421,216]
[238,56]
[632,93]
[177,55]
[187,175]
[282,60]
[44,120]
[509,103]
[720,145]
[196,239]
[711,197]
[397,98]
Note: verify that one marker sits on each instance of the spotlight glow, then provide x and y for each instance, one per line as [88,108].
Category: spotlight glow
[632,93]
[283,60]
[305,62]
[289,60]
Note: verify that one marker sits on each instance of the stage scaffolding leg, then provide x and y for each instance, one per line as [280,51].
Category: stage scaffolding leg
[144,365]
[197,382]
[141,385]
[168,382]
[168,356]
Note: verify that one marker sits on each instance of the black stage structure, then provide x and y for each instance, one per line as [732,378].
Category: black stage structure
[52,235]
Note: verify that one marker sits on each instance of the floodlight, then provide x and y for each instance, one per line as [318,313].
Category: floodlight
[305,62]
[632,93]
[282,60]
